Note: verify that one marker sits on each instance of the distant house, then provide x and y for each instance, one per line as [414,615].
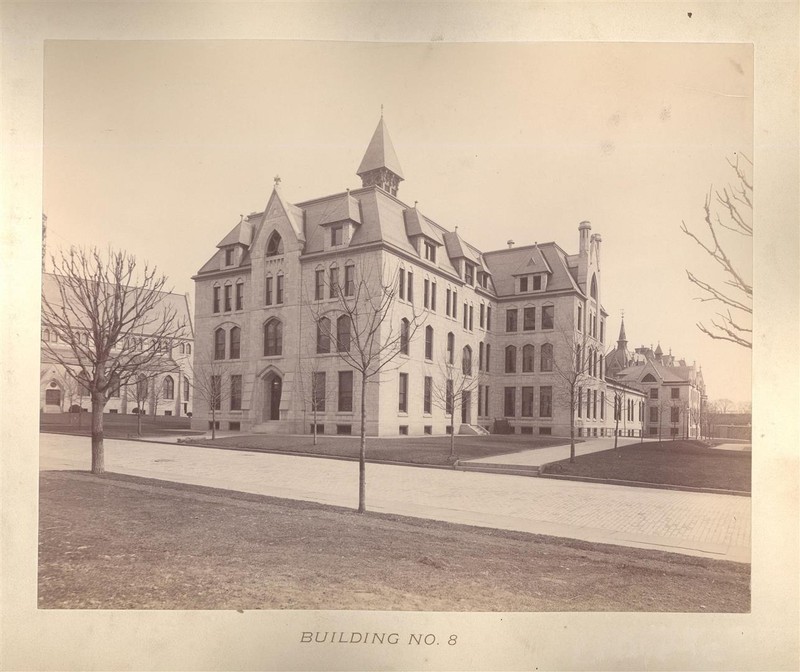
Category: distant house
[674,390]
[169,393]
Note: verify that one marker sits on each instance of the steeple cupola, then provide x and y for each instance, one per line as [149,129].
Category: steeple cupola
[622,341]
[380,166]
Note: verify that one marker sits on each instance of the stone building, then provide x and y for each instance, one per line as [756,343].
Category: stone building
[168,393]
[675,391]
[269,319]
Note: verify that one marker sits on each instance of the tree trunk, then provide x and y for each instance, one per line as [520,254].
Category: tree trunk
[616,432]
[452,434]
[98,456]
[213,422]
[315,422]
[139,421]
[572,428]
[362,450]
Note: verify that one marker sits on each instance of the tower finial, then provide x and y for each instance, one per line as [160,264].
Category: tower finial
[277,179]
[381,110]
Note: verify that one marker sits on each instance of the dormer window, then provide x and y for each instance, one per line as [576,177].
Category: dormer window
[229,256]
[523,284]
[469,274]
[483,279]
[337,235]
[537,283]
[430,251]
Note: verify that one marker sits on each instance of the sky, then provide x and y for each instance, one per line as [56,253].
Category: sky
[158,147]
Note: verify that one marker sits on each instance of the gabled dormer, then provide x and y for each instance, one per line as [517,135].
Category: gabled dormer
[533,273]
[422,234]
[339,220]
[233,247]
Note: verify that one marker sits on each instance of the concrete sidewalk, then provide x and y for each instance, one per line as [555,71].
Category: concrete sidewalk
[537,457]
[699,524]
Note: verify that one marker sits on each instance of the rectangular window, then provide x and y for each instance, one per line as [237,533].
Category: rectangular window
[344,430]
[511,320]
[480,399]
[527,402]
[430,251]
[52,397]
[236,393]
[674,414]
[333,284]
[402,283]
[602,405]
[279,289]
[482,316]
[428,342]
[486,401]
[336,236]
[469,274]
[268,291]
[320,428]
[216,299]
[318,391]
[529,319]
[345,391]
[511,359]
[428,429]
[447,304]
[426,397]
[410,292]
[526,430]
[602,331]
[471,311]
[580,316]
[579,398]
[545,431]
[449,398]
[426,293]
[546,402]
[675,393]
[216,393]
[402,394]
[510,402]
[403,430]
[465,317]
[455,304]
[349,280]
[654,414]
[654,393]
[594,404]
[588,404]
[319,284]
[433,296]
[229,256]
[239,295]
[488,318]
[548,313]
[523,284]
[537,282]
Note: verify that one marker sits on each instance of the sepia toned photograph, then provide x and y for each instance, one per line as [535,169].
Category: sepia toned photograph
[396,327]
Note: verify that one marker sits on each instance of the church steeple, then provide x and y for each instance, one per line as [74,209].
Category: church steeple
[380,166]
[622,341]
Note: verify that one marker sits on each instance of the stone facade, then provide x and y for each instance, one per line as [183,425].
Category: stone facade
[516,315]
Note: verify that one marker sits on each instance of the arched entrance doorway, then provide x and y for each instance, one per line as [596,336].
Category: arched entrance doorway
[273,385]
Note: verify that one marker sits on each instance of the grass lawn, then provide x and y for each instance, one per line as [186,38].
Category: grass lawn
[686,463]
[115,425]
[120,542]
[412,449]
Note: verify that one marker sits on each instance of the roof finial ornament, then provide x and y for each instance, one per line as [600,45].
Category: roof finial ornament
[415,203]
[277,180]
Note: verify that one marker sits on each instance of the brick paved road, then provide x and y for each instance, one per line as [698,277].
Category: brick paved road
[707,525]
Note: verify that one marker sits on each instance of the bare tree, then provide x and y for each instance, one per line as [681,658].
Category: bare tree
[207,382]
[733,213]
[456,380]
[369,332]
[315,389]
[110,314]
[576,367]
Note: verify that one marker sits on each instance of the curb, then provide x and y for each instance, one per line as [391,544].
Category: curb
[643,484]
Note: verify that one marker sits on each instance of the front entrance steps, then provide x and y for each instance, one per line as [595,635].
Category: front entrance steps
[474,430]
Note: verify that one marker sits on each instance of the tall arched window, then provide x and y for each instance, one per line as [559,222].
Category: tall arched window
[451,346]
[274,245]
[546,357]
[593,290]
[480,356]
[323,336]
[236,341]
[466,361]
[169,388]
[186,387]
[219,344]
[183,348]
[273,338]
[343,333]
[188,348]
[429,342]
[405,328]
[600,367]
[527,358]
[511,359]
[488,355]
[46,335]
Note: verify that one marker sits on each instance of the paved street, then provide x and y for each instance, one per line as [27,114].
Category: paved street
[707,525]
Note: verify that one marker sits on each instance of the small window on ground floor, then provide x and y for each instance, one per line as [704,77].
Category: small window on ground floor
[428,429]
[320,428]
[653,431]
[113,411]
[545,431]
[526,430]
[167,412]
[213,424]
[344,429]
[449,429]
[403,430]
[234,426]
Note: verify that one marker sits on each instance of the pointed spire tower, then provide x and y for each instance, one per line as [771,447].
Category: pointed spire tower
[380,166]
[622,341]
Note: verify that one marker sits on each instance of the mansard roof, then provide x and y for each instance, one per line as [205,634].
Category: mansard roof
[535,263]
[499,261]
[241,234]
[419,225]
